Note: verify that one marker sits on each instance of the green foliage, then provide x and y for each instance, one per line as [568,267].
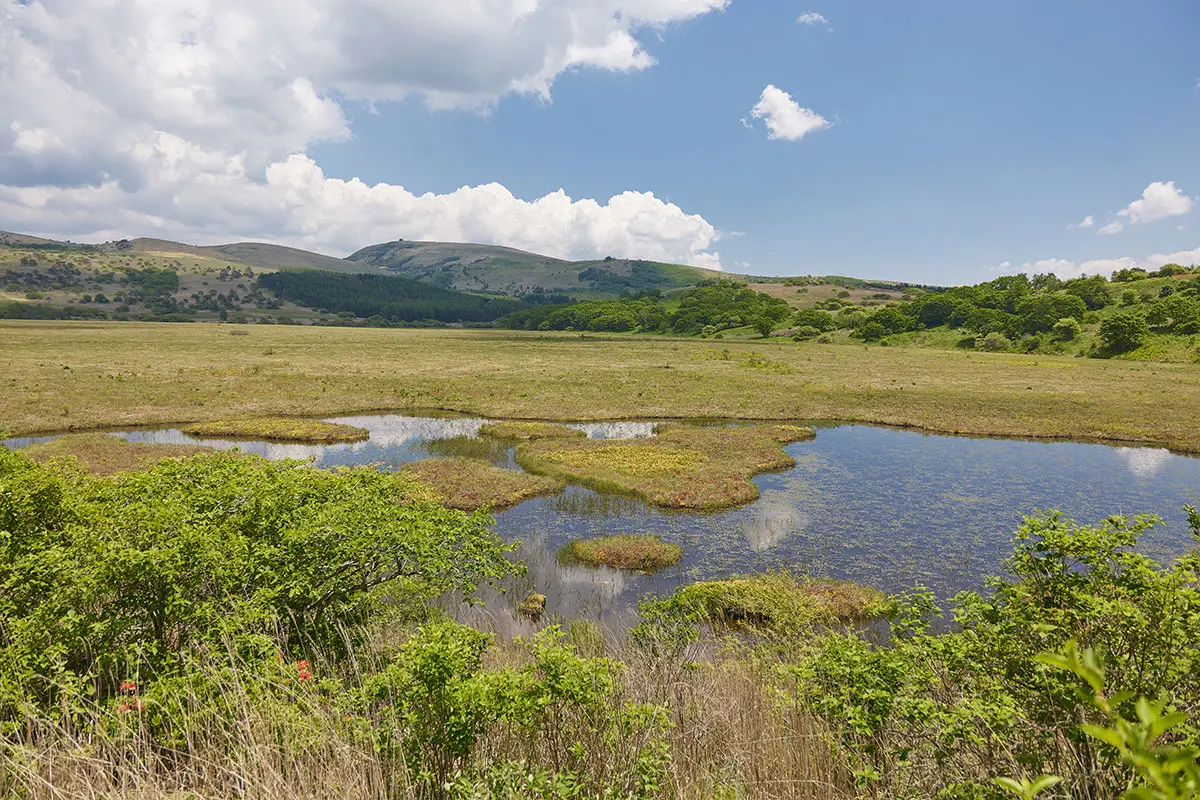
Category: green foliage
[1123,331]
[1148,741]
[932,711]
[390,298]
[436,701]
[822,321]
[995,342]
[1067,329]
[195,556]
[711,307]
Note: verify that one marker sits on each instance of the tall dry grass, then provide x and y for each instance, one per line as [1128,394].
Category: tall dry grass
[733,734]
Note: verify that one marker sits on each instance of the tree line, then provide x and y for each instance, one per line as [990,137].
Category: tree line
[385,298]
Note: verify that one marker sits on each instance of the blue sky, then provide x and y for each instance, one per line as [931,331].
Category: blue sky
[963,136]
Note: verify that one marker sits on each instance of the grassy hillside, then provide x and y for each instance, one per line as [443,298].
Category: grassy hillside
[476,267]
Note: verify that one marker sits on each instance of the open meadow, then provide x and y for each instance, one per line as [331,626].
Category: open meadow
[58,376]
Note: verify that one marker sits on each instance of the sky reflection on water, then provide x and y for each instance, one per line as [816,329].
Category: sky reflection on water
[882,506]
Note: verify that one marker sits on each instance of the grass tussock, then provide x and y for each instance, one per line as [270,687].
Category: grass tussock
[781,601]
[682,467]
[101,454]
[528,431]
[468,484]
[624,551]
[280,429]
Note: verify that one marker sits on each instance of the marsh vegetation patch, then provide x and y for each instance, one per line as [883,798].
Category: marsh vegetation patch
[468,484]
[529,431]
[682,467]
[280,429]
[779,601]
[623,551]
[101,454]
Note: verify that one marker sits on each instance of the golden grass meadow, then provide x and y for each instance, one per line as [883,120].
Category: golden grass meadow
[72,376]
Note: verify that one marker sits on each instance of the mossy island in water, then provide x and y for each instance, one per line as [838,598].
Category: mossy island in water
[280,429]
[682,467]
[469,483]
[102,454]
[518,431]
[780,602]
[623,551]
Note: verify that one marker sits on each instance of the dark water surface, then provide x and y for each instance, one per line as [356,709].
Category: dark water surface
[885,507]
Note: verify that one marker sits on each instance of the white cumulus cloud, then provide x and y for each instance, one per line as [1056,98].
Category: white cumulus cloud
[193,195]
[785,118]
[193,116]
[1116,226]
[1159,201]
[1087,222]
[812,18]
[1065,268]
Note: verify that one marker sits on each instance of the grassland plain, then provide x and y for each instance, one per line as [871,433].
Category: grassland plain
[75,375]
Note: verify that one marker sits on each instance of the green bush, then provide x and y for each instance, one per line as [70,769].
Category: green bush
[436,701]
[1067,329]
[205,555]
[937,710]
[996,342]
[1123,331]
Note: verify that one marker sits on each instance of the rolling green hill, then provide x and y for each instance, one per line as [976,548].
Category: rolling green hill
[476,267]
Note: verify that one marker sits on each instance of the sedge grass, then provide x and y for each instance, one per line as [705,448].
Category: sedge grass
[781,601]
[528,431]
[623,551]
[279,429]
[468,483]
[681,468]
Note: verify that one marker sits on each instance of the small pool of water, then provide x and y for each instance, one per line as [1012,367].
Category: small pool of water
[885,507]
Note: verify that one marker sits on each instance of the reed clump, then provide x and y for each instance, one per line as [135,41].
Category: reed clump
[519,431]
[469,483]
[623,551]
[280,429]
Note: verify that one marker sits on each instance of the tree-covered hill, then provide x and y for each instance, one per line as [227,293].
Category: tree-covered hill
[382,297]
[476,267]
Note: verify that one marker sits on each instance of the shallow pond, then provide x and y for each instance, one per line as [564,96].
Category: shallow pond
[885,507]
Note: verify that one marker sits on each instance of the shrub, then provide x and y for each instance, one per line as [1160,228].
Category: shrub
[806,332]
[871,332]
[1067,329]
[206,554]
[996,342]
[1123,331]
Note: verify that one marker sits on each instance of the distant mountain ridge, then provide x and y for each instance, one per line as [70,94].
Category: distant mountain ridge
[490,268]
[461,266]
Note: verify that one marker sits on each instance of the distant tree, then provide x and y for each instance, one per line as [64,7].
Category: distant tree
[871,332]
[1124,331]
[815,318]
[763,324]
[1093,291]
